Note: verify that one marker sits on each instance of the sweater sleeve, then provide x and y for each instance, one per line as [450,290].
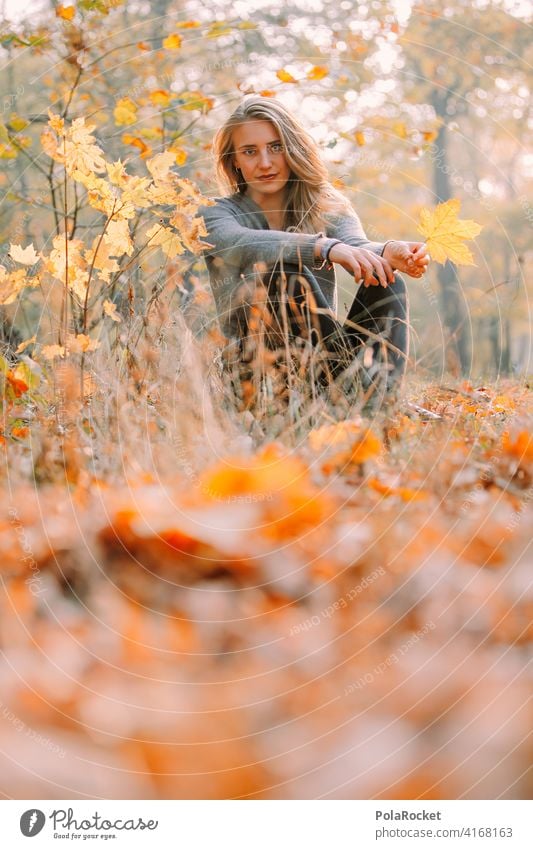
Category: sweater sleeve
[240,247]
[348,229]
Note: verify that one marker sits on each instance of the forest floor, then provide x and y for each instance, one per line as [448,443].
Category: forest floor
[342,612]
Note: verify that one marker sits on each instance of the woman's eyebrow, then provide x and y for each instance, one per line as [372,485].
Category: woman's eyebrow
[252,144]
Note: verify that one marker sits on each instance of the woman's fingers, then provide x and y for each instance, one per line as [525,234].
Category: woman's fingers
[383,269]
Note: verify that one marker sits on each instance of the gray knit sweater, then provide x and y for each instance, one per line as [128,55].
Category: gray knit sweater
[239,231]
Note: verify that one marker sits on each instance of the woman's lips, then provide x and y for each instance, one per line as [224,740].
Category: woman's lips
[268,177]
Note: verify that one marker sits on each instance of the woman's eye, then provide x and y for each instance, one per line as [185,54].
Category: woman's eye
[250,151]
[277,147]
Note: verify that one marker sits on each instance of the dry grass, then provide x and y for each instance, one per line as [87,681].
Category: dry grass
[200,602]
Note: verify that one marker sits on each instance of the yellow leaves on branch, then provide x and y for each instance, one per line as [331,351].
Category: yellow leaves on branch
[81,343]
[166,239]
[65,12]
[78,343]
[160,97]
[125,112]
[69,255]
[172,42]
[160,165]
[285,76]
[51,352]
[445,233]
[317,72]
[74,147]
[145,149]
[110,309]
[12,283]
[26,256]
[196,100]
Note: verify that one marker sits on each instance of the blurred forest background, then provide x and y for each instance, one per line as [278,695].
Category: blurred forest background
[411,103]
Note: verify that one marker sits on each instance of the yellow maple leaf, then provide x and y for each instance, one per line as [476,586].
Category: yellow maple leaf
[65,12]
[180,155]
[117,173]
[160,165]
[317,72]
[445,233]
[81,343]
[110,309]
[160,97]
[218,28]
[285,77]
[99,256]
[26,256]
[145,149]
[196,100]
[125,112]
[166,239]
[12,284]
[50,352]
[172,42]
[136,193]
[118,237]
[17,123]
[79,151]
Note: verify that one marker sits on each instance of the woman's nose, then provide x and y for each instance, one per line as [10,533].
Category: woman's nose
[265,160]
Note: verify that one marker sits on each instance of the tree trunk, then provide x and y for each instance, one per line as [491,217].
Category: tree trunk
[454,307]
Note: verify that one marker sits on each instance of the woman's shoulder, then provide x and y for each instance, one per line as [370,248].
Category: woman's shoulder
[227,202]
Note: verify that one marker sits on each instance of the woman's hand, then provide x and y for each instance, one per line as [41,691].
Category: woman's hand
[365,265]
[408,257]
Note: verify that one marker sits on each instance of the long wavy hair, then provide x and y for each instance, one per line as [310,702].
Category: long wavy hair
[311,196]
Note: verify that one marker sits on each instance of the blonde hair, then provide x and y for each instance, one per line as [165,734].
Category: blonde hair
[311,196]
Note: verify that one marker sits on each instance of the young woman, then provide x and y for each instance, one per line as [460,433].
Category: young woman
[276,238]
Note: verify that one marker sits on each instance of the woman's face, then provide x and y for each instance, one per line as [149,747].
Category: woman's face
[259,156]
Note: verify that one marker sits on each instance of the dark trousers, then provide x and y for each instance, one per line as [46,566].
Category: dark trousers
[372,343]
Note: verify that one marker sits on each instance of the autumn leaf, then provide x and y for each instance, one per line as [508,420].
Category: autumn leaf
[117,173]
[65,12]
[324,437]
[166,239]
[285,77]
[172,42]
[445,233]
[366,447]
[196,100]
[110,309]
[26,256]
[317,72]
[403,492]
[217,29]
[125,112]
[160,97]
[18,386]
[81,343]
[50,352]
[17,123]
[180,155]
[118,238]
[160,165]
[12,283]
[20,432]
[145,149]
